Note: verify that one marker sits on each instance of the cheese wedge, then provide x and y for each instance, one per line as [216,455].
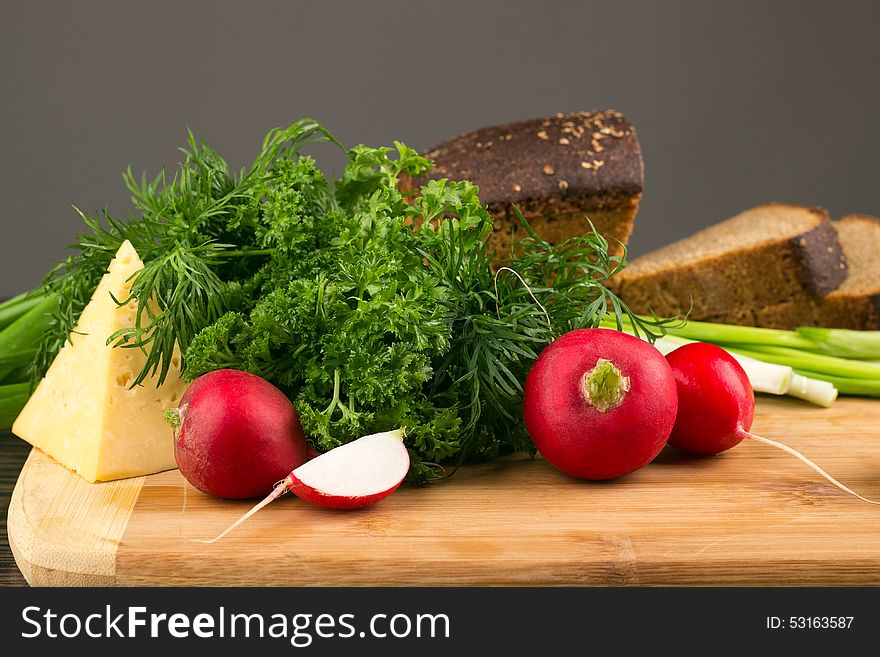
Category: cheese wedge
[84,413]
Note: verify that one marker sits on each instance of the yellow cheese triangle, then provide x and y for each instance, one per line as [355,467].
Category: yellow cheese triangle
[84,413]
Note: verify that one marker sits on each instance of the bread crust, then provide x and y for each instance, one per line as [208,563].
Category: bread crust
[821,260]
[736,286]
[562,172]
[854,305]
[584,154]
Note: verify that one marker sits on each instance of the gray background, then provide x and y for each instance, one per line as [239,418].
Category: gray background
[736,103]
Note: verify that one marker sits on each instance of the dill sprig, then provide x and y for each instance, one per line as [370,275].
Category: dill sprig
[575,274]
[196,234]
[369,307]
[502,318]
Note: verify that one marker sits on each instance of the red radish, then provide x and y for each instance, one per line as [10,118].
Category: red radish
[352,476]
[237,435]
[716,405]
[599,404]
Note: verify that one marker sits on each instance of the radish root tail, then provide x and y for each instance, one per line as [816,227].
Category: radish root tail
[528,289]
[279,490]
[806,461]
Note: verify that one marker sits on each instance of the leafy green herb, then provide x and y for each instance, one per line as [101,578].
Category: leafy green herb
[200,235]
[369,308]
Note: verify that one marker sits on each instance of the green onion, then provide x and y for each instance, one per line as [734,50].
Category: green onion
[18,375]
[844,343]
[811,362]
[729,333]
[12,400]
[846,386]
[767,377]
[10,359]
[15,308]
[19,341]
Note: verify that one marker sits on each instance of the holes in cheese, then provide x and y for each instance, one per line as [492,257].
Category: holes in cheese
[83,412]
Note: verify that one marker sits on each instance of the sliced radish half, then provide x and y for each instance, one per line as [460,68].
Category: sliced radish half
[349,477]
[355,475]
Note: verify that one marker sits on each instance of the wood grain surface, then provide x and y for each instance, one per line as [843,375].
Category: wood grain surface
[13,453]
[65,531]
[753,516]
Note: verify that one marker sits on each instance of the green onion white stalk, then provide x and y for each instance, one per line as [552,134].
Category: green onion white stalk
[816,391]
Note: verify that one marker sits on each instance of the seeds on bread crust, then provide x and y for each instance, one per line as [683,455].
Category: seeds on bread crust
[559,171]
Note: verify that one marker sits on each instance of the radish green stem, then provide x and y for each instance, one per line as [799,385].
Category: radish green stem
[604,387]
[806,461]
[174,418]
[277,492]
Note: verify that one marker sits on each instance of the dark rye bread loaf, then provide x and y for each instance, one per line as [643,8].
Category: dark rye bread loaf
[856,303]
[559,172]
[768,255]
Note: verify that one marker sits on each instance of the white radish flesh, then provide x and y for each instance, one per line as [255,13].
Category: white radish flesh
[352,476]
[362,469]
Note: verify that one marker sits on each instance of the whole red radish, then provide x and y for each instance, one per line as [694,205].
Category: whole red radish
[237,435]
[599,403]
[716,405]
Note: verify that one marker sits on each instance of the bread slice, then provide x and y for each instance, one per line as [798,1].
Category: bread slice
[558,171]
[856,303]
[768,255]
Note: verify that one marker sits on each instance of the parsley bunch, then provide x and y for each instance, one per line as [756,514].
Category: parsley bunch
[372,308]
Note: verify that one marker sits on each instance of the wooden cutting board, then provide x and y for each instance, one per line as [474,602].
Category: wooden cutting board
[753,516]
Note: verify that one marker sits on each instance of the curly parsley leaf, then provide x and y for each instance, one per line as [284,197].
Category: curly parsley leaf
[371,309]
